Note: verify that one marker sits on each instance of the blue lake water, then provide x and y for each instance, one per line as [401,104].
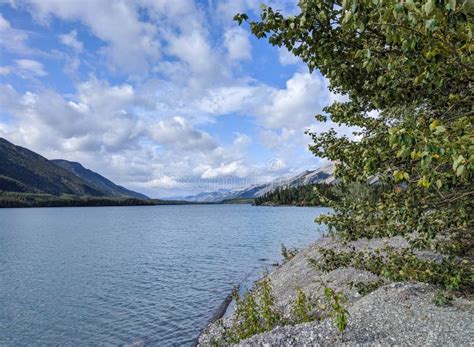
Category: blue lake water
[119,275]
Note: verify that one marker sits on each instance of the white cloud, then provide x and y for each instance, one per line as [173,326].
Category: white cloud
[131,43]
[120,131]
[30,66]
[232,98]
[194,50]
[5,70]
[177,133]
[294,107]
[100,96]
[287,58]
[72,41]
[236,41]
[241,140]
[273,140]
[151,129]
[163,182]
[227,9]
[97,117]
[71,65]
[24,68]
[235,168]
[13,40]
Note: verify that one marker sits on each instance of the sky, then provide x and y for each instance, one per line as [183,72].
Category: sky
[168,98]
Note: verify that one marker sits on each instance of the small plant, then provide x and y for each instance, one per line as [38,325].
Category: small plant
[302,308]
[336,303]
[442,298]
[401,265]
[269,314]
[337,300]
[247,312]
[288,253]
[255,313]
[364,288]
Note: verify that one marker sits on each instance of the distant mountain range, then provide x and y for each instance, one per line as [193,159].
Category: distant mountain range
[24,171]
[324,174]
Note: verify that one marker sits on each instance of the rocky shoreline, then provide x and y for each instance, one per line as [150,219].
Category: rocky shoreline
[392,313]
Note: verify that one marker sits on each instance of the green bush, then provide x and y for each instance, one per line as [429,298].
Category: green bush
[255,313]
[406,69]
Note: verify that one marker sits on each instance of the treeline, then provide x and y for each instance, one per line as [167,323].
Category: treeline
[321,194]
[10,199]
[306,195]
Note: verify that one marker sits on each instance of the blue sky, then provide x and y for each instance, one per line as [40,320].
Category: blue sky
[164,97]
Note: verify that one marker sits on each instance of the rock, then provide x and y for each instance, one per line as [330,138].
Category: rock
[396,313]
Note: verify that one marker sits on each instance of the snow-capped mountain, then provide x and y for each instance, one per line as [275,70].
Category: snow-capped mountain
[324,174]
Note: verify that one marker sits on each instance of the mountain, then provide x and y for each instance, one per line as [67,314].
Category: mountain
[24,171]
[96,180]
[216,196]
[324,174]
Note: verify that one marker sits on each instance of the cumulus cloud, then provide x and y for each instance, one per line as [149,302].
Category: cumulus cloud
[148,120]
[95,118]
[235,168]
[195,51]
[232,98]
[98,127]
[179,134]
[131,43]
[237,43]
[273,140]
[163,182]
[294,107]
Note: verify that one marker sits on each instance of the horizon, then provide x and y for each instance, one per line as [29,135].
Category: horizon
[159,94]
[208,186]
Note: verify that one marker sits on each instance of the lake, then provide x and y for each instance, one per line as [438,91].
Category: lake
[150,275]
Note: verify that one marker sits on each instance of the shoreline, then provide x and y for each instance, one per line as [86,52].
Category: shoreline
[375,317]
[218,314]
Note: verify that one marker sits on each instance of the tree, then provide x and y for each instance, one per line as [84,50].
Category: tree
[407,68]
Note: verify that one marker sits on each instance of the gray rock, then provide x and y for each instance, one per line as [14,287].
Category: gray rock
[396,313]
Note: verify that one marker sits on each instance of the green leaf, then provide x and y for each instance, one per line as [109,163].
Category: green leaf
[429,7]
[424,182]
[451,5]
[431,24]
[440,129]
[347,17]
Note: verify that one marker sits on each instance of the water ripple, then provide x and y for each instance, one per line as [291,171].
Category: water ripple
[132,276]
